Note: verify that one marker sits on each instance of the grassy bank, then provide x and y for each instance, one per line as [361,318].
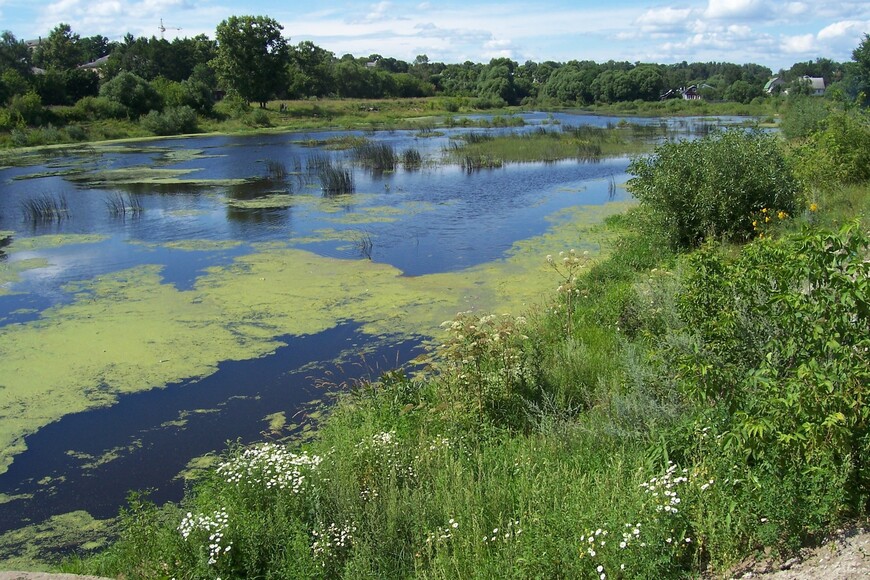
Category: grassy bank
[695,397]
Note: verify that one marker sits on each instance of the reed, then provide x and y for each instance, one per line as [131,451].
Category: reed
[377,157]
[336,180]
[411,159]
[276,170]
[45,208]
[120,205]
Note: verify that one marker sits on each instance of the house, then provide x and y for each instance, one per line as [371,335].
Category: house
[774,85]
[95,66]
[817,85]
[689,93]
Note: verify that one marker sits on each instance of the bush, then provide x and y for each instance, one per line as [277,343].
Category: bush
[97,108]
[838,154]
[710,188]
[172,121]
[133,92]
[780,344]
[805,116]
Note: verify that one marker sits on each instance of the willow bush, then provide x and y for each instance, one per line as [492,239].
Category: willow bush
[690,191]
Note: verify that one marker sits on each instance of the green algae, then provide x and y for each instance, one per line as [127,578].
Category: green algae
[146,175]
[197,467]
[276,421]
[38,546]
[10,272]
[140,333]
[272,201]
[194,245]
[53,241]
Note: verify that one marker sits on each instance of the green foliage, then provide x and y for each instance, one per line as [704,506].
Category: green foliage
[838,154]
[693,190]
[252,57]
[132,92]
[804,117]
[171,121]
[27,109]
[781,341]
[94,108]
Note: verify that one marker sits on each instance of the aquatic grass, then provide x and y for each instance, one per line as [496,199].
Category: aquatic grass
[45,208]
[364,245]
[276,170]
[478,150]
[335,180]
[411,159]
[377,157]
[120,205]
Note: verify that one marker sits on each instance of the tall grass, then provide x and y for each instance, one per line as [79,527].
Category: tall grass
[335,180]
[411,159]
[378,157]
[45,208]
[121,205]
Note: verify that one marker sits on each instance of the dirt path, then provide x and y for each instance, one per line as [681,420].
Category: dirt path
[846,556]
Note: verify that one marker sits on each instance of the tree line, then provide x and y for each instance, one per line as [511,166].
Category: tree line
[250,59]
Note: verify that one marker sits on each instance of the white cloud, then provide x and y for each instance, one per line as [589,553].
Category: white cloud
[800,44]
[734,9]
[844,28]
[664,19]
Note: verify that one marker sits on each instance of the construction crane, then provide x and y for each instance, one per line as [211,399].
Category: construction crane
[163,29]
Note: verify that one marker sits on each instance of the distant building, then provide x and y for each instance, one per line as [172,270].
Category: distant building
[770,86]
[689,93]
[817,85]
[96,66]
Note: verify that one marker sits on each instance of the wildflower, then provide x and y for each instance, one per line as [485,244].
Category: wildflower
[814,207]
[782,215]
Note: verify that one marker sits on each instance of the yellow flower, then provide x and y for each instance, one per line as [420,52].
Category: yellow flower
[782,215]
[764,210]
[766,218]
[754,223]
[814,207]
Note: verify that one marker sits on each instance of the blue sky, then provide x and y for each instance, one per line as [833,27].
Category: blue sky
[772,33]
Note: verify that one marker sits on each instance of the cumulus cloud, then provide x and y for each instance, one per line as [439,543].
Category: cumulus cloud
[664,20]
[844,28]
[734,9]
[800,44]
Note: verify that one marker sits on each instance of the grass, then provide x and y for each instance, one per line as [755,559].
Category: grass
[478,150]
[45,208]
[335,180]
[121,205]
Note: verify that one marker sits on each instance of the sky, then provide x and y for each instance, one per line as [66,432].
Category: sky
[772,33]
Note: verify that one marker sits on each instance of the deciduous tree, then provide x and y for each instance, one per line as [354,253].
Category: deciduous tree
[252,57]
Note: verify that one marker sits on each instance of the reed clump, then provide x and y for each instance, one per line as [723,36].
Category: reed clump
[45,208]
[378,157]
[121,205]
[335,180]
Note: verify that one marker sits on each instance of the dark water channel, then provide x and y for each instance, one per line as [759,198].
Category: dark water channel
[441,219]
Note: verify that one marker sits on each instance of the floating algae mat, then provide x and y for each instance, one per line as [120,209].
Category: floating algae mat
[131,332]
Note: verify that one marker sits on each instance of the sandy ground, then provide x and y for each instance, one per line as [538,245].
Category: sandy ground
[846,556]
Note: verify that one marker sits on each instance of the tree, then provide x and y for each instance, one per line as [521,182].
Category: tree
[252,57]
[311,73]
[861,56]
[13,54]
[60,51]
[133,92]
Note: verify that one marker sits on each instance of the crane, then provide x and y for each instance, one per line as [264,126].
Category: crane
[163,29]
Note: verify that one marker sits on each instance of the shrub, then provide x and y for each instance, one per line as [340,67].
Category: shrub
[838,154]
[97,108]
[133,92]
[693,190]
[172,121]
[780,343]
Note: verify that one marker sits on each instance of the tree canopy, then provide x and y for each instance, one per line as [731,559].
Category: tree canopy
[252,57]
